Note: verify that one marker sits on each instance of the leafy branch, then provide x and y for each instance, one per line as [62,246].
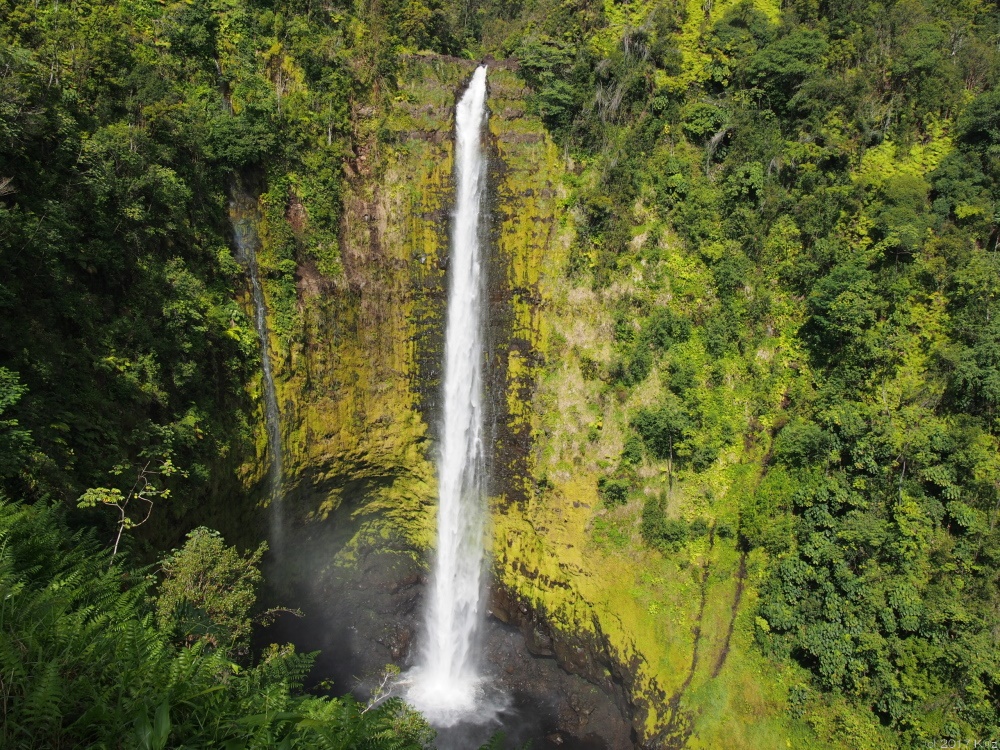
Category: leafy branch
[384,689]
[142,494]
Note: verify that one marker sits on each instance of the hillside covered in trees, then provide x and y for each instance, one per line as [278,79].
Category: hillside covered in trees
[784,222]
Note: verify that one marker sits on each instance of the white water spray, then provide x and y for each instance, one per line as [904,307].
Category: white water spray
[445,686]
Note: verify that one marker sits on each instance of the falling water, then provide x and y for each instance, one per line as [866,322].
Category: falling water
[446,683]
[246,245]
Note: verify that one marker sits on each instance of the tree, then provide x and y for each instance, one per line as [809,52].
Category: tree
[208,591]
[664,428]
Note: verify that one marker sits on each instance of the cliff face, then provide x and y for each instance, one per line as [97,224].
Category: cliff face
[358,380]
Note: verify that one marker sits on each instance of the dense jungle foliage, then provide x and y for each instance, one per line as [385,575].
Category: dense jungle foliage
[92,658]
[794,212]
[126,131]
[793,209]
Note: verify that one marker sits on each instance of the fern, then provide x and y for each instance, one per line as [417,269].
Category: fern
[81,658]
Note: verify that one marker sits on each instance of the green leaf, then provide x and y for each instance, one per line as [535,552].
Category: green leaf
[161,726]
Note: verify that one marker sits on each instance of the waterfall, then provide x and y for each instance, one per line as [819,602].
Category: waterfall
[242,212]
[446,682]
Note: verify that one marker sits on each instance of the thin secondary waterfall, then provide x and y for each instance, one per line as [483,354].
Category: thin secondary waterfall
[246,246]
[445,684]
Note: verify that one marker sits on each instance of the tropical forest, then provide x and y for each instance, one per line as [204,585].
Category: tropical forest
[485,374]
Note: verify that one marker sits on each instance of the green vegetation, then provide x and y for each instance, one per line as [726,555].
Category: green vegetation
[770,399]
[87,663]
[129,132]
[127,129]
[790,217]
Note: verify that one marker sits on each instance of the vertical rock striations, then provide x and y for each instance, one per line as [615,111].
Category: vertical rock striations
[358,380]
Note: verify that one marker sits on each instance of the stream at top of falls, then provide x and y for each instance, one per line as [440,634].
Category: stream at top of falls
[447,685]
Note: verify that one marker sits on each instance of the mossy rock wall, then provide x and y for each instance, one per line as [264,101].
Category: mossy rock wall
[358,380]
[358,374]
[670,637]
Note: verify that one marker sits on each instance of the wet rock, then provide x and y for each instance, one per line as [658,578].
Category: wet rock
[411,580]
[399,645]
[539,642]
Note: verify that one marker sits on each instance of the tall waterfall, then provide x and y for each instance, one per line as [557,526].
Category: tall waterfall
[445,684]
[242,213]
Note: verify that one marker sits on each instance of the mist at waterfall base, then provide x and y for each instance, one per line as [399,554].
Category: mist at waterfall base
[447,685]
[361,618]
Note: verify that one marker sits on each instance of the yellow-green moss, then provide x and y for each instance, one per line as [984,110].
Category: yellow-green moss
[349,386]
[347,375]
[643,605]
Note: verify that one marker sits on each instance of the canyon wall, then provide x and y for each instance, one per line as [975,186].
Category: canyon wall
[358,375]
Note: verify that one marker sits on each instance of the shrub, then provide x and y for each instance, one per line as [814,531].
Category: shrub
[661,532]
[699,527]
[613,491]
[633,451]
[664,329]
[209,589]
